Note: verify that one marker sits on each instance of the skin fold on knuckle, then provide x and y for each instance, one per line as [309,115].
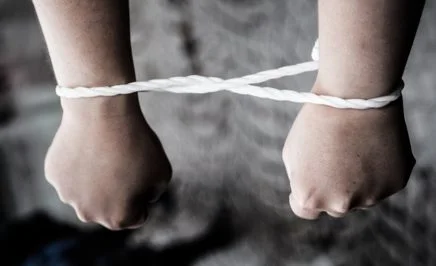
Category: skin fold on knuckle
[304,214]
[64,196]
[335,214]
[112,224]
[300,211]
[369,202]
[63,199]
[50,178]
[83,216]
[307,200]
[125,221]
[341,206]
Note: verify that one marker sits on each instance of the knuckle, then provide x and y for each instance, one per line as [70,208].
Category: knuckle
[284,155]
[83,216]
[301,212]
[342,206]
[112,227]
[307,202]
[62,198]
[369,202]
[304,214]
[65,196]
[336,214]
[50,171]
[50,180]
[124,218]
[120,222]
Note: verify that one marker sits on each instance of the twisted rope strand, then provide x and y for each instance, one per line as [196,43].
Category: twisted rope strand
[243,85]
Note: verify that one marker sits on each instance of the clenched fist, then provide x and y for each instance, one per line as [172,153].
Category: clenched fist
[106,162]
[338,160]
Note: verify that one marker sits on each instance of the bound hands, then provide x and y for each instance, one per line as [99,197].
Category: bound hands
[340,160]
[106,162]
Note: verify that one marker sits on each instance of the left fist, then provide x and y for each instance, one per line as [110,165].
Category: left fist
[340,159]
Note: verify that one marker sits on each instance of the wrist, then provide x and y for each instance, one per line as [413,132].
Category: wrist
[101,107]
[348,119]
[352,89]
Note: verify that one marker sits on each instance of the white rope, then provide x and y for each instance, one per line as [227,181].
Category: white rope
[243,85]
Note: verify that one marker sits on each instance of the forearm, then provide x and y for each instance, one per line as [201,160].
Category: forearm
[364,45]
[88,41]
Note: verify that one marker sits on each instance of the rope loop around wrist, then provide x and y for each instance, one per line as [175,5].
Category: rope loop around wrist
[244,85]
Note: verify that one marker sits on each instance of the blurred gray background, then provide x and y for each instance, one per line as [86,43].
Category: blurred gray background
[225,148]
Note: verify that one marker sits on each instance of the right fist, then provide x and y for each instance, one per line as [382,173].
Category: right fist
[106,162]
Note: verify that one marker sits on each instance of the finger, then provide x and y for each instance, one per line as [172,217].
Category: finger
[340,208]
[82,216]
[335,214]
[62,198]
[50,182]
[360,209]
[138,224]
[126,220]
[365,206]
[368,203]
[302,212]
[122,227]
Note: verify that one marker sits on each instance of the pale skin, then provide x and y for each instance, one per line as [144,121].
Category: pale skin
[339,160]
[108,164]
[105,161]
